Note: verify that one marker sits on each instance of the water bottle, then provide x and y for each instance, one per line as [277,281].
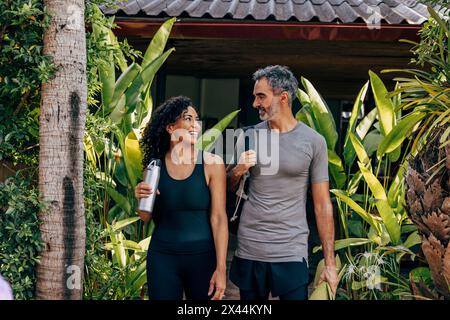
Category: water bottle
[151,177]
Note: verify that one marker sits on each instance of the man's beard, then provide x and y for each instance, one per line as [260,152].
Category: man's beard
[267,113]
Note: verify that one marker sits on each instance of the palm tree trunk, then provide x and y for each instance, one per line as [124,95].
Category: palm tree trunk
[62,118]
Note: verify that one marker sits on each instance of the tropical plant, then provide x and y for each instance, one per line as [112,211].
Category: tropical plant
[376,215]
[129,257]
[20,240]
[114,127]
[426,96]
[23,69]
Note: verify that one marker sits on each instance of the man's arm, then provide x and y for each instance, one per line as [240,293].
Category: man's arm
[235,172]
[323,210]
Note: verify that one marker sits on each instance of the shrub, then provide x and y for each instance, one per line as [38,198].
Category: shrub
[20,239]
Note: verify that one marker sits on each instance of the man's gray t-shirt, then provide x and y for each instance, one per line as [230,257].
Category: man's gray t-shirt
[273,226]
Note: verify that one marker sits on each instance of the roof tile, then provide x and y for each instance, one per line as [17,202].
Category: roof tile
[346,11]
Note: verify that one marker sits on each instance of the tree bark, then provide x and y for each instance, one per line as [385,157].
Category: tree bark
[62,119]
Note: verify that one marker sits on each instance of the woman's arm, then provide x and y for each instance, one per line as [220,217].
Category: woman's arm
[143,190]
[217,186]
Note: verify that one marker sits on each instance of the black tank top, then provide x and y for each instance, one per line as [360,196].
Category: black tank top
[182,214]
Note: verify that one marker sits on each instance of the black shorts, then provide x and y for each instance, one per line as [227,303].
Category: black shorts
[264,277]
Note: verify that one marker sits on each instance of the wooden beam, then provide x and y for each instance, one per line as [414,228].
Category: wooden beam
[186,29]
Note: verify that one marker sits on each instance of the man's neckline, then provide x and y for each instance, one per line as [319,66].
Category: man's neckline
[278,132]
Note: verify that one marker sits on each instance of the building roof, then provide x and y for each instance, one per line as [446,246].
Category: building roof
[326,11]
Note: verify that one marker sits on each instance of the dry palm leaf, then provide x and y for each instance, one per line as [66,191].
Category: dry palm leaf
[414,181]
[446,265]
[438,224]
[433,196]
[434,253]
[446,206]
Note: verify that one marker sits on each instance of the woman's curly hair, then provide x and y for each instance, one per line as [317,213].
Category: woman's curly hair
[155,141]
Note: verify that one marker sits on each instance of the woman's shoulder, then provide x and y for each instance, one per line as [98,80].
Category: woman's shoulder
[212,159]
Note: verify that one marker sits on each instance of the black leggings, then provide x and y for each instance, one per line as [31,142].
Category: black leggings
[169,274]
[301,293]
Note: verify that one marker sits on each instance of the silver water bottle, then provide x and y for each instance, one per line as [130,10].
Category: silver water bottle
[151,177]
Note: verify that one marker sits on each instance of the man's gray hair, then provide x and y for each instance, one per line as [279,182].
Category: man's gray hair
[280,78]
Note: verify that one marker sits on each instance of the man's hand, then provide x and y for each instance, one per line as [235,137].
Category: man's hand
[218,281]
[329,274]
[245,162]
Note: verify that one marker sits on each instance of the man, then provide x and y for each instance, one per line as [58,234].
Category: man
[272,240]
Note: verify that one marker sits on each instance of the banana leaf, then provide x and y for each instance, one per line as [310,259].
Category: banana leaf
[336,168]
[354,183]
[372,141]
[324,119]
[361,131]
[138,279]
[384,209]
[306,116]
[345,243]
[384,105]
[130,168]
[119,253]
[133,158]
[119,199]
[144,79]
[359,149]
[355,207]
[119,110]
[395,187]
[146,109]
[127,245]
[348,154]
[381,238]
[124,81]
[403,130]
[89,149]
[321,292]
[120,173]
[123,223]
[158,43]
[365,124]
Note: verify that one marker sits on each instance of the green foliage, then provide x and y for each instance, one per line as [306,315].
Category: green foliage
[426,93]
[18,138]
[99,51]
[104,280]
[374,276]
[23,66]
[20,239]
[23,69]
[369,200]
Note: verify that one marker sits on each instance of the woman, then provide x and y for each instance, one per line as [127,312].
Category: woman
[189,244]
